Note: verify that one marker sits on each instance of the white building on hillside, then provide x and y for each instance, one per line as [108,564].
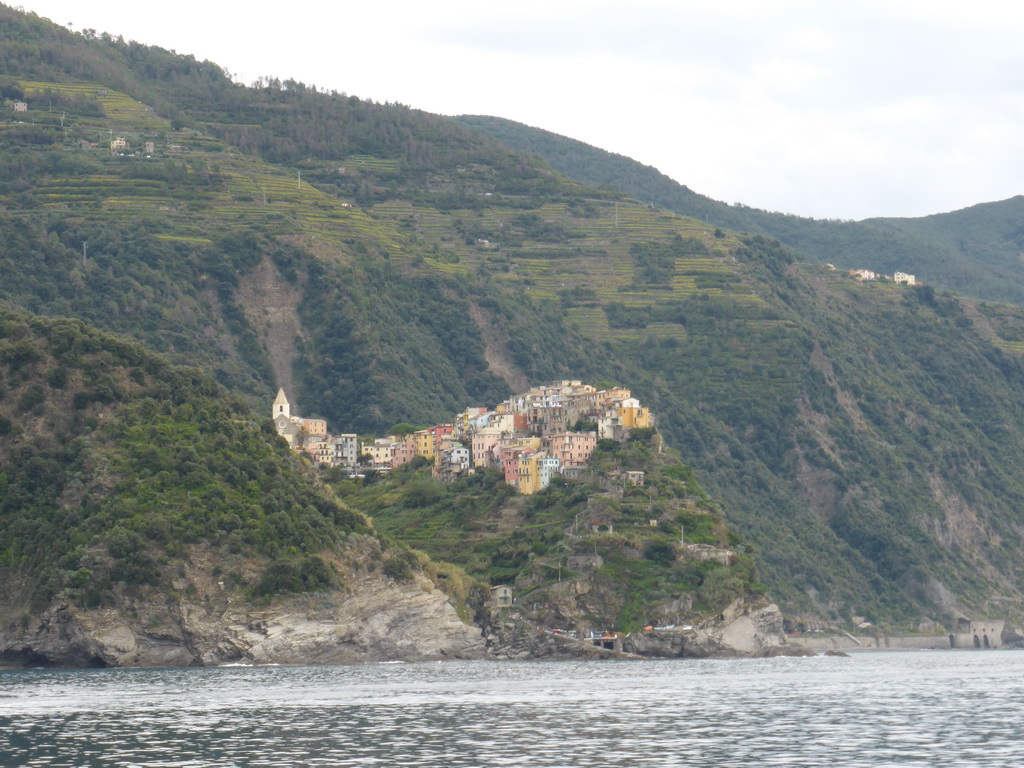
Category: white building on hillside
[295,429]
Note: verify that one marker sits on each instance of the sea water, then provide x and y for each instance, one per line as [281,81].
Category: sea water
[939,708]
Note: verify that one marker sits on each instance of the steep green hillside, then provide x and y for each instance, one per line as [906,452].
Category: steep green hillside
[876,446]
[217,257]
[384,265]
[975,251]
[113,465]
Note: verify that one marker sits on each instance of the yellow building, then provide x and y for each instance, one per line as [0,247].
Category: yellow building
[424,443]
[380,451]
[529,476]
[319,449]
[536,469]
[522,443]
[633,416]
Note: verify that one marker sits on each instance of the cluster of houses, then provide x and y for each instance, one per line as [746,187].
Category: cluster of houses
[532,437]
[118,146]
[900,278]
[862,275]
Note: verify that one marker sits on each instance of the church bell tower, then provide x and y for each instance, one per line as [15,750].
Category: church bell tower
[281,405]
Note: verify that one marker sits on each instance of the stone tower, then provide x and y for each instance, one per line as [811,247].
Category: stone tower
[281,406]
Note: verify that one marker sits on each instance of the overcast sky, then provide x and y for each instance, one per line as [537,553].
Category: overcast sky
[826,109]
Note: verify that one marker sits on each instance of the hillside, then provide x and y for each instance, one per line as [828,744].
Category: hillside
[144,514]
[583,555]
[385,265]
[974,251]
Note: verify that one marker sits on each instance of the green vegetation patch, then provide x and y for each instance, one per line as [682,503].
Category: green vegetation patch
[114,462]
[499,537]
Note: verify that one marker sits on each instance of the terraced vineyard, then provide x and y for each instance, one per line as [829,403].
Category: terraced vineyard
[551,252]
[120,111]
[596,259]
[243,190]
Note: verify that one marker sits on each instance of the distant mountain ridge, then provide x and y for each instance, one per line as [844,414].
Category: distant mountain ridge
[975,251]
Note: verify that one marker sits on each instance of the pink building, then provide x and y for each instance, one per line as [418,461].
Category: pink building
[572,449]
[403,451]
[510,457]
[440,431]
[485,447]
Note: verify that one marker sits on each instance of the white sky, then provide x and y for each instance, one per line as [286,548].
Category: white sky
[826,109]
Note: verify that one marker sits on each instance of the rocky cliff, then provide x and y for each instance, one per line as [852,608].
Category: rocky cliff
[375,619]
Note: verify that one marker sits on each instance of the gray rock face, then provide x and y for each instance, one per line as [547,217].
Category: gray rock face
[379,620]
[198,621]
[740,630]
[514,638]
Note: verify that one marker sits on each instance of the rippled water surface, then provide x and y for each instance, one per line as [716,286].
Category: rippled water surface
[956,708]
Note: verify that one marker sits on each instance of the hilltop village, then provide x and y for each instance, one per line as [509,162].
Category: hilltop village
[547,432]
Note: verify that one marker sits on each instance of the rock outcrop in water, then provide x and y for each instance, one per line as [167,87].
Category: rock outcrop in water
[740,630]
[513,638]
